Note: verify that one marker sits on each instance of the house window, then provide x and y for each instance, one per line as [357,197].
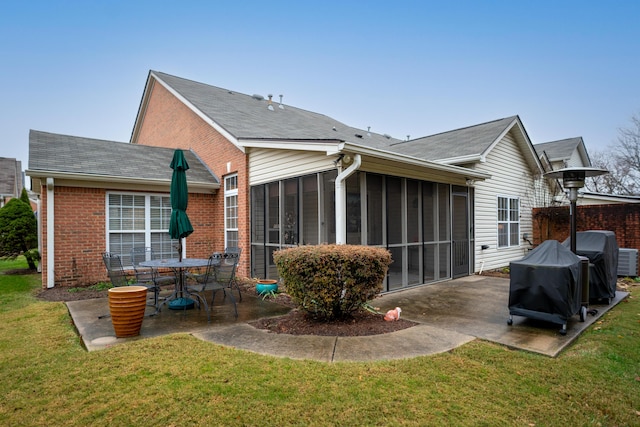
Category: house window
[231,211]
[139,220]
[508,221]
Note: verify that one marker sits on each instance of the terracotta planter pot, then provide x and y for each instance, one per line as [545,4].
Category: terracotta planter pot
[127,305]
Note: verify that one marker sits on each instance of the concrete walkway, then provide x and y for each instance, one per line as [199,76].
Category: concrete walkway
[449,314]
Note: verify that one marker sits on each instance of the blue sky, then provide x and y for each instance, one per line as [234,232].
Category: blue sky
[567,68]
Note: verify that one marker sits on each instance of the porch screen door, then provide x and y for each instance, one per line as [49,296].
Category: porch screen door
[460,234]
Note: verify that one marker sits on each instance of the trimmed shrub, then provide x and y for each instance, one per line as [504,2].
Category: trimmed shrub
[332,281]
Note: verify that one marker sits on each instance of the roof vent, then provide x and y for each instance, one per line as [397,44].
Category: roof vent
[334,129]
[386,135]
[358,136]
[257,97]
[281,106]
[368,130]
[269,104]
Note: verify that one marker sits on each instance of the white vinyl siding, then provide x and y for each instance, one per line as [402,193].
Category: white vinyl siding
[510,176]
[267,165]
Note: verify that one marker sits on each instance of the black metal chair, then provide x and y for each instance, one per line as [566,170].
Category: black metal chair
[146,275]
[119,277]
[233,253]
[218,276]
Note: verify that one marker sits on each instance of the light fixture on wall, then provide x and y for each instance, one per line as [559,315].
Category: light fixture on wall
[344,159]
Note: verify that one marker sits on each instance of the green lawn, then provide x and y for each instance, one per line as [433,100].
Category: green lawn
[46,378]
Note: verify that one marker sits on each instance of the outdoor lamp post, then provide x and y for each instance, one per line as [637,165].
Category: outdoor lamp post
[573,179]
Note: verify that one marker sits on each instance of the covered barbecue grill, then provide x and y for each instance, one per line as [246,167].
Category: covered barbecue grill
[601,248]
[546,285]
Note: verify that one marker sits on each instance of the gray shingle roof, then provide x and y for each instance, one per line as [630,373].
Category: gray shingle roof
[246,117]
[468,141]
[10,177]
[559,150]
[50,152]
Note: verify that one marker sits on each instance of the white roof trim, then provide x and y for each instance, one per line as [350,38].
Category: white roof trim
[402,158]
[113,179]
[304,145]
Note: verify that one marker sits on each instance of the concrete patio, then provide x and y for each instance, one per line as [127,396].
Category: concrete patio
[449,314]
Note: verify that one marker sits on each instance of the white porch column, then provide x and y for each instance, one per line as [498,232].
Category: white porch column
[50,234]
[341,200]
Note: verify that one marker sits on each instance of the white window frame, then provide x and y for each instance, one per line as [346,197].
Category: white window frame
[512,218]
[147,229]
[230,195]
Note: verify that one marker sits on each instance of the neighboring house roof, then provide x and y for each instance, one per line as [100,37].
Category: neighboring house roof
[564,150]
[64,156]
[10,177]
[587,197]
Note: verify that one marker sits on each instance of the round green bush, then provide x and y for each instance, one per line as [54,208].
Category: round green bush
[332,281]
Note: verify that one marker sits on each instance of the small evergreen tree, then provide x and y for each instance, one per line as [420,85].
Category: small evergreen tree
[24,196]
[18,231]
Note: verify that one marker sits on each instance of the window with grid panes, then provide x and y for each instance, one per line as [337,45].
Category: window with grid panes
[139,220]
[231,211]
[508,221]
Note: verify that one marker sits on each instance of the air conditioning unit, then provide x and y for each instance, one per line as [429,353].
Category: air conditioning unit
[628,262]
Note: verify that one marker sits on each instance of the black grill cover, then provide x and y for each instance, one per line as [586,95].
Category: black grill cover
[601,248]
[545,284]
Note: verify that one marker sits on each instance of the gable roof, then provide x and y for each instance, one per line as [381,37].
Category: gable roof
[563,149]
[64,156]
[465,143]
[471,144]
[247,121]
[10,177]
[246,117]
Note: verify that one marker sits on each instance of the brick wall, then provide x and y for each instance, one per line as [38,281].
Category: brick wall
[623,219]
[80,234]
[169,123]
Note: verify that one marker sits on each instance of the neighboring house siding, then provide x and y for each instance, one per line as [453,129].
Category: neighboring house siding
[267,165]
[169,123]
[510,177]
[575,161]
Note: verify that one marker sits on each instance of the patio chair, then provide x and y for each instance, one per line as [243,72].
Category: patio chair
[119,277]
[218,276]
[146,274]
[233,253]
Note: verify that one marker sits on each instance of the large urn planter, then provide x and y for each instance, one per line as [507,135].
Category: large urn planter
[127,305]
[266,286]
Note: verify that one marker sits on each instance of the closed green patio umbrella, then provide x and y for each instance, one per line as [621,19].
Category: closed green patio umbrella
[179,225]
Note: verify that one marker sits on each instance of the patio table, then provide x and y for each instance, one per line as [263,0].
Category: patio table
[177,300]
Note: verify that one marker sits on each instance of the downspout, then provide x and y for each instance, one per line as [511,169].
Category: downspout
[50,234]
[39,225]
[341,200]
